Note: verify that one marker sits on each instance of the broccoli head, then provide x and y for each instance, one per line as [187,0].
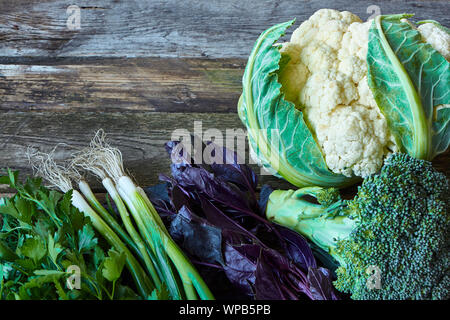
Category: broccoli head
[391,241]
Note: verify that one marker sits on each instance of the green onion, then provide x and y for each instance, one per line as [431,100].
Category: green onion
[146,211]
[143,283]
[165,262]
[95,204]
[111,189]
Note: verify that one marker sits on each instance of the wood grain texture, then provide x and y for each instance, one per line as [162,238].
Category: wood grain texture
[168,28]
[143,84]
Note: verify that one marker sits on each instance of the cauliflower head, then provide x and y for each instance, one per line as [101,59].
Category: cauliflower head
[326,77]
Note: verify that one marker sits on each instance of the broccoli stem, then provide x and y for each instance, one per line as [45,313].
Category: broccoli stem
[323,223]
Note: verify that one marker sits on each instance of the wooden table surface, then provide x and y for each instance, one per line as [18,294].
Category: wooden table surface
[139,70]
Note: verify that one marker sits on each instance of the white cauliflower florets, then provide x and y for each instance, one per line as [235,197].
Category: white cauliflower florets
[334,93]
[437,38]
[327,77]
[364,131]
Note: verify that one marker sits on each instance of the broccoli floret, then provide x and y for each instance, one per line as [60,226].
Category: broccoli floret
[397,226]
[328,196]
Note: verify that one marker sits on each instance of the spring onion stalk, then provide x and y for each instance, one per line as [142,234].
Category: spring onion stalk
[103,162]
[111,189]
[86,190]
[143,283]
[59,177]
[152,209]
[181,262]
[156,247]
[100,157]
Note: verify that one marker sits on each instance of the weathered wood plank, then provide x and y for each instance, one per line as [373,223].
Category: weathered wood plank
[168,28]
[150,84]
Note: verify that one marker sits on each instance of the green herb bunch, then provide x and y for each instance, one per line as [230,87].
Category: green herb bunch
[49,249]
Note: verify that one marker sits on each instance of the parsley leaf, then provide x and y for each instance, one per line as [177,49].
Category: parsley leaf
[113,265]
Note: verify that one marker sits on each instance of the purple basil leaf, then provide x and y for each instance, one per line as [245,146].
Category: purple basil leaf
[260,258]
[159,196]
[170,145]
[197,236]
[166,179]
[267,284]
[158,192]
[179,198]
[182,154]
[218,218]
[297,248]
[320,284]
[232,237]
[233,169]
[200,180]
[251,251]
[239,269]
[294,280]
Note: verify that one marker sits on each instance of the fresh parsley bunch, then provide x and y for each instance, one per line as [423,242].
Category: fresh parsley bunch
[49,250]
